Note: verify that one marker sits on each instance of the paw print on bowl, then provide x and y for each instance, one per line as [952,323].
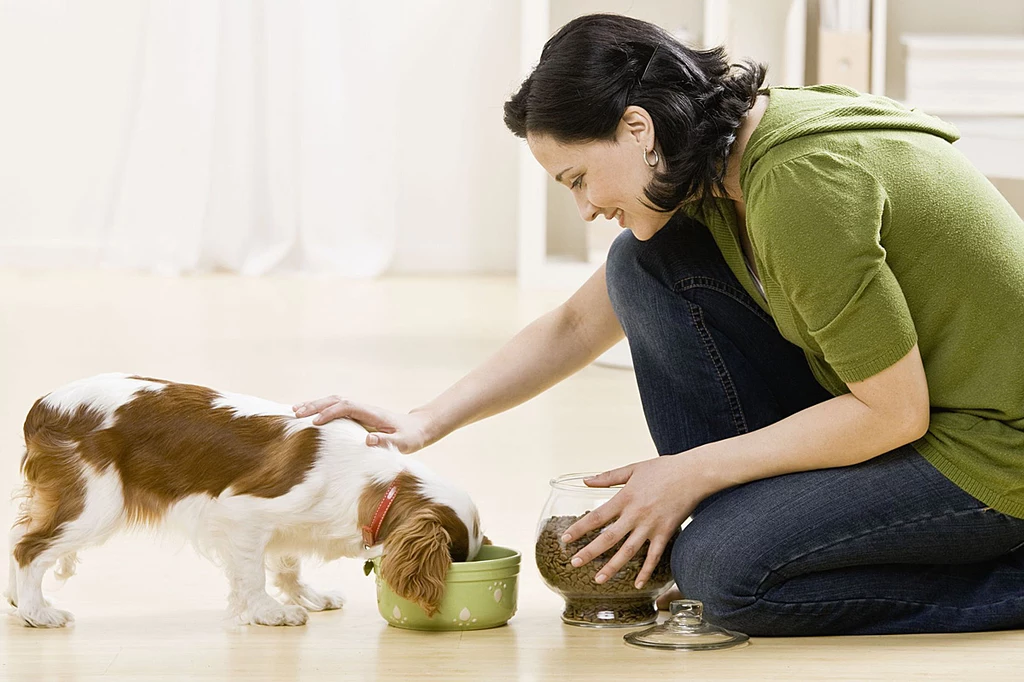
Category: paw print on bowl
[465,618]
[497,589]
[397,616]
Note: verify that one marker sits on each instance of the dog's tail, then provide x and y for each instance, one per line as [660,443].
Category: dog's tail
[66,566]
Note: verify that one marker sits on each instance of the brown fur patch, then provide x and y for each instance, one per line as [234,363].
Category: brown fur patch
[421,538]
[173,443]
[416,558]
[54,489]
[408,500]
[166,445]
[456,529]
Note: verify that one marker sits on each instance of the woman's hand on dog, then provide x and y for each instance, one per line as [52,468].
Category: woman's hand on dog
[406,432]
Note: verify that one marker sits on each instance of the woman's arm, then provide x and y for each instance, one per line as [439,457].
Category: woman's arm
[548,350]
[883,412]
[544,353]
[879,414]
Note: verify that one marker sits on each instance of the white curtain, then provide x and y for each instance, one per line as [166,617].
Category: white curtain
[175,136]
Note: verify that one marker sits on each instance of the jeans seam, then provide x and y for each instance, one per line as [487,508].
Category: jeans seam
[765,600]
[738,295]
[760,591]
[731,395]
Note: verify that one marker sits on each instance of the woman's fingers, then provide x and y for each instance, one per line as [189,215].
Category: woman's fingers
[337,410]
[606,539]
[654,552]
[598,518]
[630,547]
[608,478]
[407,433]
[314,406]
[328,409]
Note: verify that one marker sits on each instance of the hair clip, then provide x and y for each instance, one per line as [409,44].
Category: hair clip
[649,62]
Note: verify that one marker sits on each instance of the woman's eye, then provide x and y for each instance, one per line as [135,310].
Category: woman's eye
[578,182]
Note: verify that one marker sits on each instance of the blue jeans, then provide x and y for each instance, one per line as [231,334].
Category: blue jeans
[886,546]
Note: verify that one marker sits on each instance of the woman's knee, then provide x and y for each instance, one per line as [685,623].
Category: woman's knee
[622,267]
[713,565]
[681,249]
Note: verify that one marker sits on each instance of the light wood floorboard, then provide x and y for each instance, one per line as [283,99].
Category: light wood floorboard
[150,609]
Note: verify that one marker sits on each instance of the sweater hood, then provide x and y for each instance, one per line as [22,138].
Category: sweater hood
[799,112]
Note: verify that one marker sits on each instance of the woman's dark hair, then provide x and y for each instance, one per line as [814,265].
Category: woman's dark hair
[597,65]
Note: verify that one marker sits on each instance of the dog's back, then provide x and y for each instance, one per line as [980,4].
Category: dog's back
[165,441]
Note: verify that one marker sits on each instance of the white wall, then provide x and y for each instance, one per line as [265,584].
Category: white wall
[53,172]
[457,186]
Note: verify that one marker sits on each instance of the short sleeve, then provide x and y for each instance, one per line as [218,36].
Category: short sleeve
[817,224]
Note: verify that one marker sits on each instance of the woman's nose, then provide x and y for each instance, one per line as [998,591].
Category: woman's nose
[587,210]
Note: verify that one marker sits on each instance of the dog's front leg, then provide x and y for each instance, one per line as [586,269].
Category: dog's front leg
[249,602]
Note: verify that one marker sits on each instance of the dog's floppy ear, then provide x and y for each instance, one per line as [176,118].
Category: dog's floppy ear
[416,559]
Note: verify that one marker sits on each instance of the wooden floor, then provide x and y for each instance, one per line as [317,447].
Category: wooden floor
[149,609]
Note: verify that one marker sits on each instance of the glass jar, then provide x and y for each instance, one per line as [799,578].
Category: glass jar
[614,603]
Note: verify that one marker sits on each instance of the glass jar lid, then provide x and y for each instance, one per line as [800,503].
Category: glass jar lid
[686,630]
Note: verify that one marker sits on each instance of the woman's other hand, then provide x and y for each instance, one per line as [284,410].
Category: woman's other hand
[406,432]
[657,496]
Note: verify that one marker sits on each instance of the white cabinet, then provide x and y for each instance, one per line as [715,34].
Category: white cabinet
[964,33]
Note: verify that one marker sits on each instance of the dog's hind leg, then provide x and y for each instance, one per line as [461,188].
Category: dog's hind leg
[57,527]
[33,610]
[285,569]
[243,557]
[14,537]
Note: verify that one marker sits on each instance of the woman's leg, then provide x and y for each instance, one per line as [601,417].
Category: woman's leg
[886,546]
[709,362]
[804,553]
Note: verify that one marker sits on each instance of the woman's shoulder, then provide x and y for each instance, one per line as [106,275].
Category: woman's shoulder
[805,166]
[833,119]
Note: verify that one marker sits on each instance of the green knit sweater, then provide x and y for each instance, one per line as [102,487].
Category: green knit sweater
[871,232]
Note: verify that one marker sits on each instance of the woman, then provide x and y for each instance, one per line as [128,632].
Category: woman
[824,302]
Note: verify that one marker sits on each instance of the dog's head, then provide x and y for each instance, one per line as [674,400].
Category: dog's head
[429,525]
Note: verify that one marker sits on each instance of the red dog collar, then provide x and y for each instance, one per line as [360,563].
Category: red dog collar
[370,532]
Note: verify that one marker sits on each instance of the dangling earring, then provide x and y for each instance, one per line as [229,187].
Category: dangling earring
[647,158]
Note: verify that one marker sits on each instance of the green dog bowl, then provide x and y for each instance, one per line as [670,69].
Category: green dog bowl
[479,594]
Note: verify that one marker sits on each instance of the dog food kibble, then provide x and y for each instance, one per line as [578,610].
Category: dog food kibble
[614,602]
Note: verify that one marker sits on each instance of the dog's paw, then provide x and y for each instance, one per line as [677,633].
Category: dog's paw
[278,614]
[312,600]
[44,617]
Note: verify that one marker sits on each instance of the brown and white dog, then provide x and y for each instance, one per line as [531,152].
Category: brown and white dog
[251,485]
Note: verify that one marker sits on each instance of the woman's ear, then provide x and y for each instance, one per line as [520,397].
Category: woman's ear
[416,560]
[637,124]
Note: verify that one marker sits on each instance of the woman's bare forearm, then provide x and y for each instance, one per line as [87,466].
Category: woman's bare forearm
[548,350]
[880,414]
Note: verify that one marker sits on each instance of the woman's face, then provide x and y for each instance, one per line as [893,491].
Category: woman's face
[608,177]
